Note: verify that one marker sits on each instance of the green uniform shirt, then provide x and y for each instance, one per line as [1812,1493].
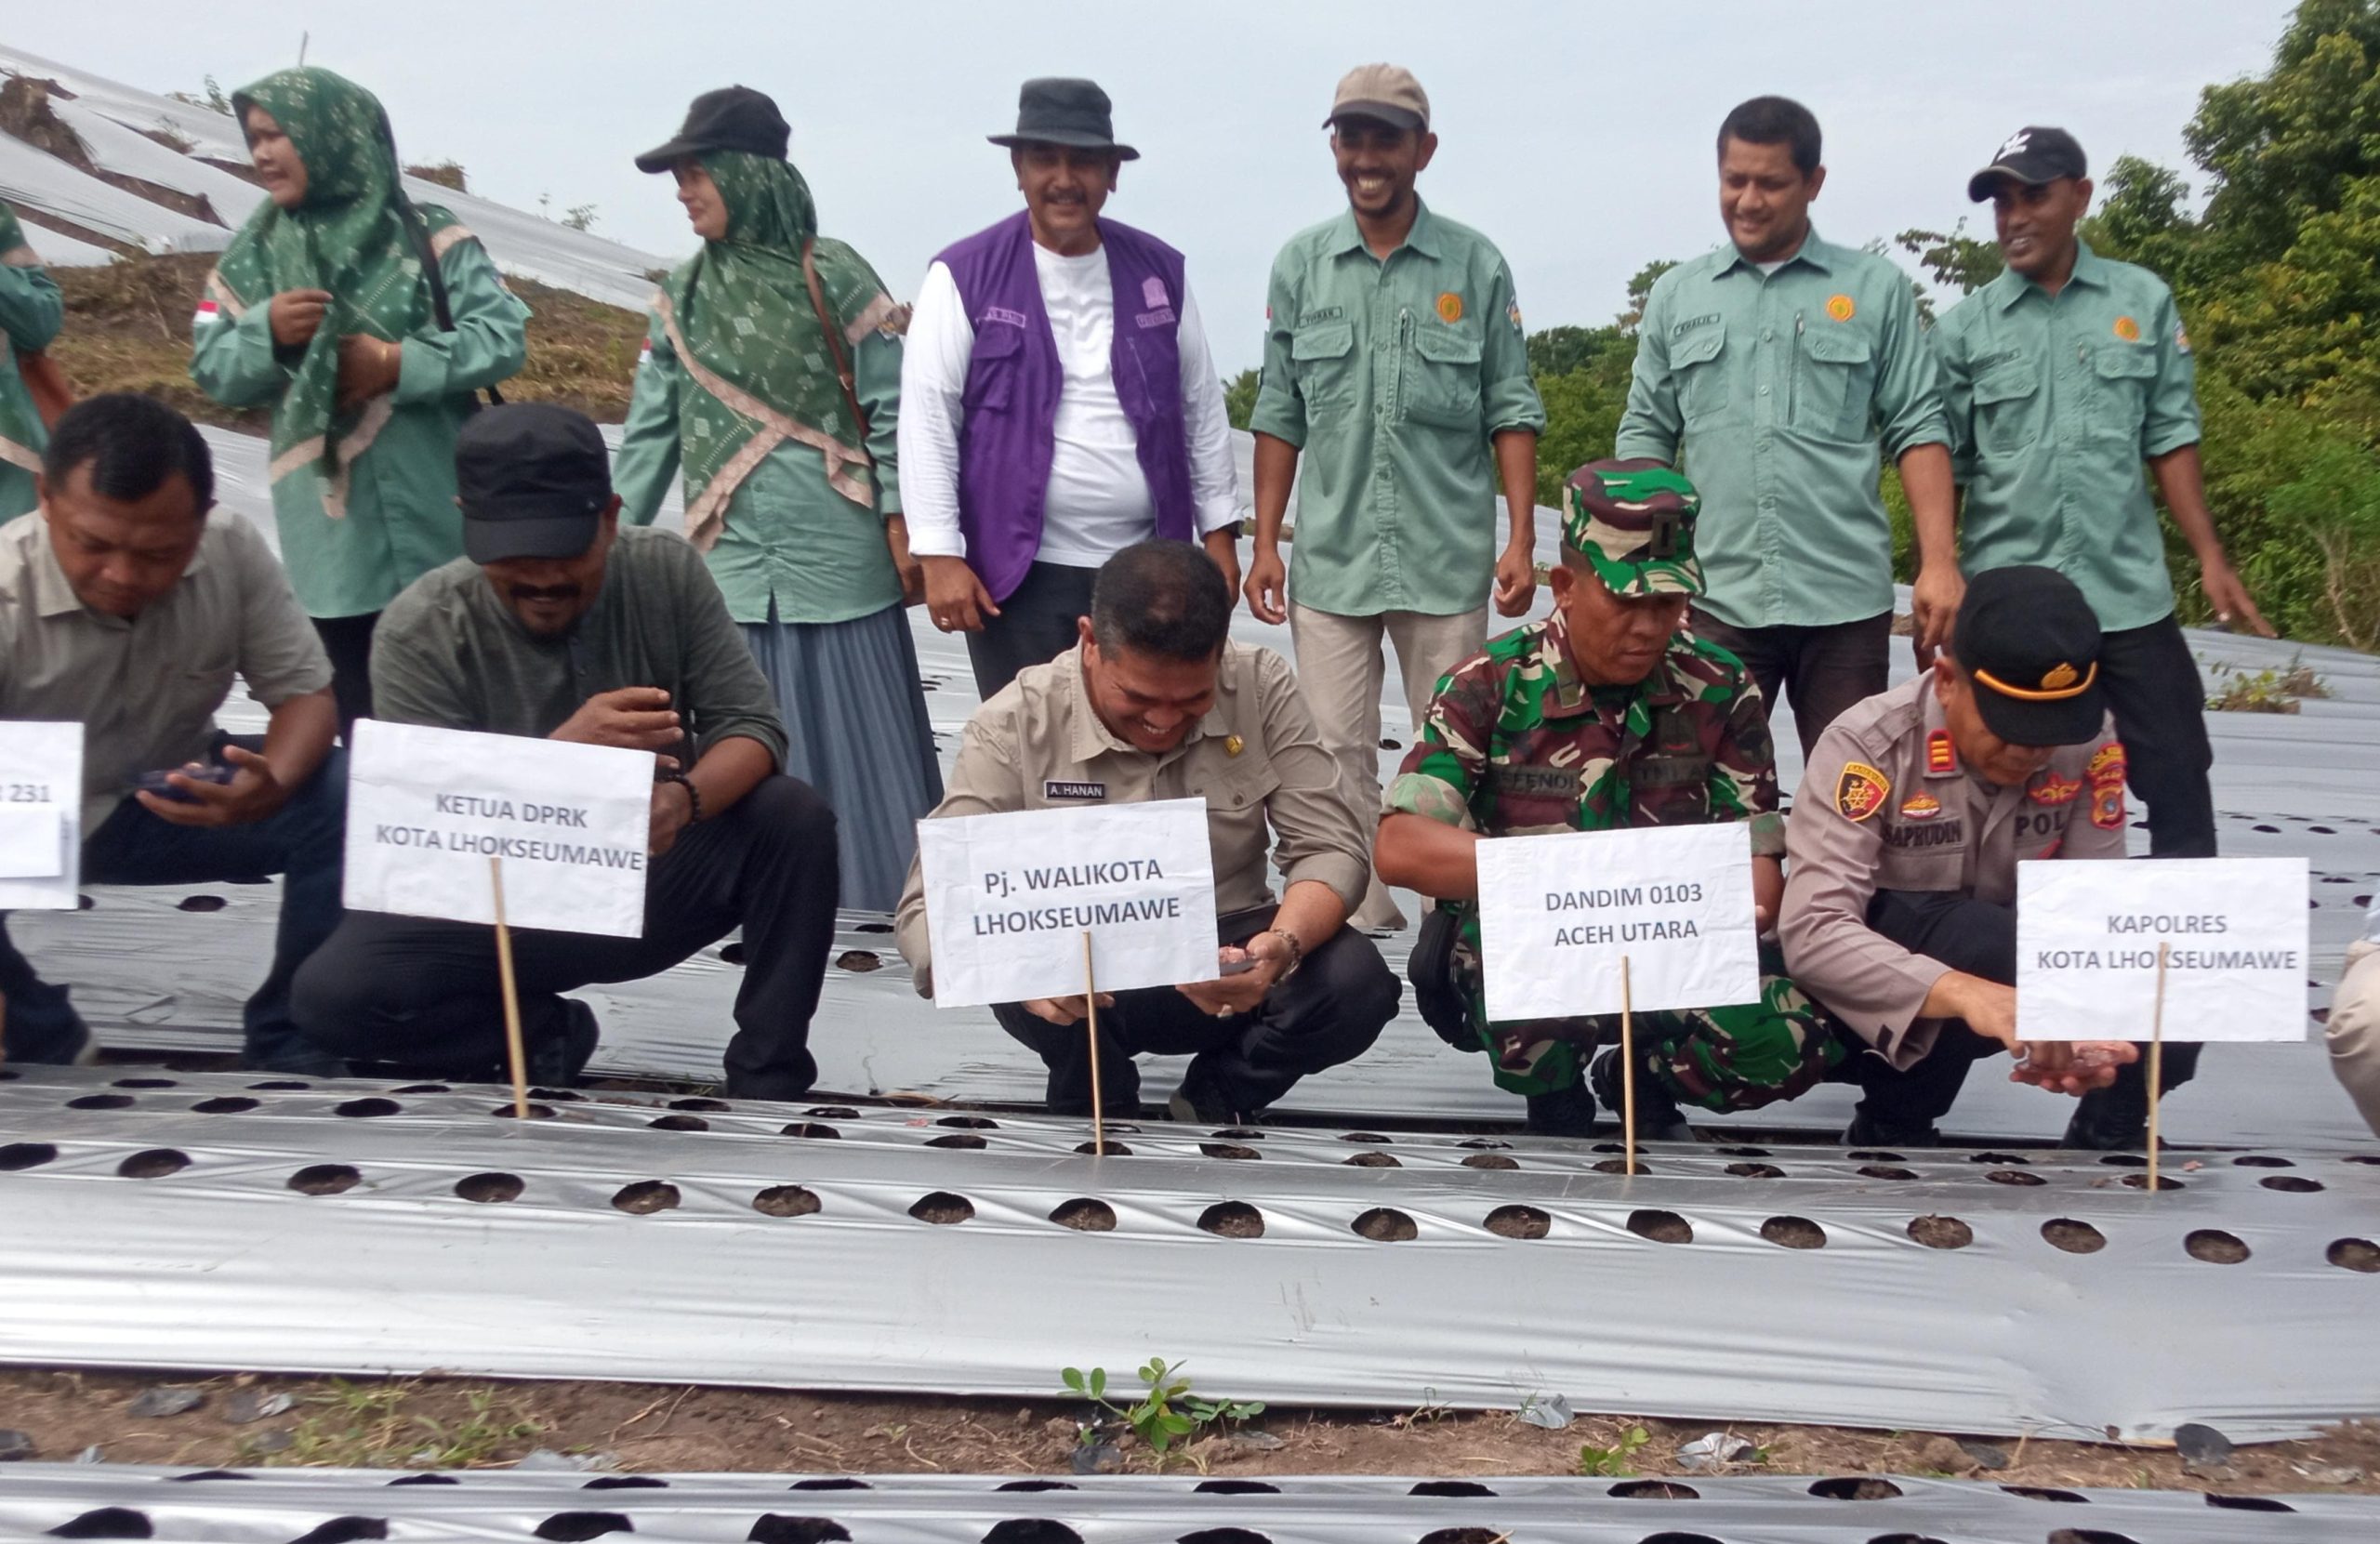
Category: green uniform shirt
[2054,401]
[1783,387]
[793,548]
[30,309]
[401,519]
[1394,376]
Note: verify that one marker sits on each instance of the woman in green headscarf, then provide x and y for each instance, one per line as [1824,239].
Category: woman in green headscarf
[322,307]
[31,310]
[791,485]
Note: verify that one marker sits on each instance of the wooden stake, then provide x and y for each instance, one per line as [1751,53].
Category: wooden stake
[1628,1065]
[1090,1005]
[2156,1063]
[513,1048]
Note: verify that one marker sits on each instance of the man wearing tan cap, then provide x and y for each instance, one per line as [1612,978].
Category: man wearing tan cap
[1395,363]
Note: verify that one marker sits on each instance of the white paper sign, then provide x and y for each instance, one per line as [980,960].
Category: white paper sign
[426,808]
[1010,896]
[1557,911]
[40,816]
[2237,942]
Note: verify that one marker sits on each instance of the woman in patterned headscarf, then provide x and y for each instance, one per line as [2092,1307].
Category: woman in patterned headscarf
[29,312]
[790,479]
[324,308]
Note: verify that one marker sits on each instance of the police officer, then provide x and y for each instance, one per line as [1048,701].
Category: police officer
[2060,378]
[1899,901]
[1606,714]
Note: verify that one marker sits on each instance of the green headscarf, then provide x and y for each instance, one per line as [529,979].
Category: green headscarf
[350,236]
[22,435]
[759,370]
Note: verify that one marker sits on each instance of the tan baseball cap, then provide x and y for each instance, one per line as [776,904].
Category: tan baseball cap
[1387,92]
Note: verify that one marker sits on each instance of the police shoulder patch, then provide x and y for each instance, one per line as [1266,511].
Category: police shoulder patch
[2107,766]
[1860,791]
[2107,805]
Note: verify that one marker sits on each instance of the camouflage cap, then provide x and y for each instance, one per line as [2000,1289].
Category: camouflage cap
[1633,521]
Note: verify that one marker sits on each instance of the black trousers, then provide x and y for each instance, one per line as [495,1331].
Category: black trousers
[2159,707]
[425,993]
[347,639]
[1036,625]
[1329,1012]
[1980,939]
[1824,669]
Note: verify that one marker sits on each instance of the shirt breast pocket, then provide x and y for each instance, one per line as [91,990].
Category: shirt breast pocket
[991,373]
[1235,792]
[1701,374]
[1928,869]
[1446,380]
[1834,383]
[2007,401]
[2119,395]
[1322,357]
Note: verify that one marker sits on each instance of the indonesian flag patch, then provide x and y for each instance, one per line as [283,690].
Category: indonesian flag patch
[1860,791]
[207,312]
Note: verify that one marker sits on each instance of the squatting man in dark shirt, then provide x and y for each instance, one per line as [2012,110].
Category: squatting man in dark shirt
[1154,702]
[560,625]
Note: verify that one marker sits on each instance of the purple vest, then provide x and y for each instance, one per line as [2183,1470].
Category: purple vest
[1009,410]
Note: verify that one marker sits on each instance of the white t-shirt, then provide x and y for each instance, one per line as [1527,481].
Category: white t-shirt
[1098,501]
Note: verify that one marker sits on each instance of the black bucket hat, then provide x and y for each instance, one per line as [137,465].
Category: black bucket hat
[734,117]
[1060,111]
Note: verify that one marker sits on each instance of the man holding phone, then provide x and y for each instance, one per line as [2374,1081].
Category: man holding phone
[124,607]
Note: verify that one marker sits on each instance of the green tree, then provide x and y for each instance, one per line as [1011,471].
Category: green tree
[1240,397]
[1640,289]
[1952,258]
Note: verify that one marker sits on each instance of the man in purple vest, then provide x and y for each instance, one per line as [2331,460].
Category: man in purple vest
[1057,401]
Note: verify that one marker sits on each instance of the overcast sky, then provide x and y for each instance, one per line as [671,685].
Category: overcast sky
[1578,136]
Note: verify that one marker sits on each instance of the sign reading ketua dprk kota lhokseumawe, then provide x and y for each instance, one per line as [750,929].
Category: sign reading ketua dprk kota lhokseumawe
[427,809]
[1559,913]
[1009,898]
[2233,931]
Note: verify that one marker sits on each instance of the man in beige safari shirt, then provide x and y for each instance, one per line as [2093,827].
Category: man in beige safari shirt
[1154,702]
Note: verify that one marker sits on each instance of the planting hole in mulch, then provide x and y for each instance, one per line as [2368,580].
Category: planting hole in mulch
[1885,1171]
[536,1111]
[577,1527]
[1233,1219]
[1870,1155]
[958,1139]
[1365,1138]
[679,1123]
[1940,1233]
[2261,1160]
[1620,1166]
[1224,1536]
[1372,1160]
[2045,1493]
[940,1207]
[1793,1233]
[26,1155]
[423,1089]
[2355,1254]
[1661,1227]
[155,1164]
[2290,1184]
[490,1188]
[861,960]
[646,1196]
[969,1123]
[200,903]
[1228,1150]
[1756,1171]
[144,1083]
[840,1482]
[1466,1488]
[1996,1158]
[1085,1214]
[106,1522]
[2014,1177]
[2075,1238]
[1237,1133]
[345,1530]
[1854,1487]
[1484,1145]
[1465,1535]
[1387,1225]
[226,1105]
[324,1180]
[832,1112]
[812,1130]
[2165,1181]
[1491,1160]
[1031,1530]
[101,1101]
[1038,1485]
[2089,1536]
[785,1201]
[695,1102]
[776,1528]
[1654,1490]
[1670,1538]
[2247,1503]
[1518,1222]
[1110,1149]
[2215,1246]
[281,1085]
[2124,1160]
[1235,1487]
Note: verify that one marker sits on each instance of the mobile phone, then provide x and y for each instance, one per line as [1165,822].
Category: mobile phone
[1239,967]
[197,772]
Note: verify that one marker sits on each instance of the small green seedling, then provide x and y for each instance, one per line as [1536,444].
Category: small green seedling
[1612,1462]
[1167,1411]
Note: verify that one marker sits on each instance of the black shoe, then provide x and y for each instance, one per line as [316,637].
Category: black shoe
[1563,1113]
[1200,1102]
[1656,1114]
[2109,1120]
[1868,1130]
[556,1061]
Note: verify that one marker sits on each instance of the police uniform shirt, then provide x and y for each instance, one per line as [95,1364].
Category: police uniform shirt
[1885,804]
[1256,757]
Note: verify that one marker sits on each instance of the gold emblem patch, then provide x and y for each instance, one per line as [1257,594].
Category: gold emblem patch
[2127,329]
[1450,307]
[1233,744]
[2060,678]
[1841,308]
[1860,791]
[1921,807]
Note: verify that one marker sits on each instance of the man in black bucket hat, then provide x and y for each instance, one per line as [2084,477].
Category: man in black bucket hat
[1058,402]
[1901,852]
[560,624]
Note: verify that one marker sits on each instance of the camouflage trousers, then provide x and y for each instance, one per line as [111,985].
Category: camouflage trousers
[1721,1058]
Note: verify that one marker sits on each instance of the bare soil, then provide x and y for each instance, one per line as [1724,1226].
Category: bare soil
[650,1428]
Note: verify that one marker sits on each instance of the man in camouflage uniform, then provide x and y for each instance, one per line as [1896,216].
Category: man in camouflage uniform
[1608,714]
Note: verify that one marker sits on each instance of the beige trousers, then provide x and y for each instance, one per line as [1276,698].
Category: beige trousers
[2354,1029]
[1340,666]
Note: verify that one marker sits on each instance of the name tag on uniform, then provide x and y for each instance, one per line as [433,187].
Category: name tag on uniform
[1054,788]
